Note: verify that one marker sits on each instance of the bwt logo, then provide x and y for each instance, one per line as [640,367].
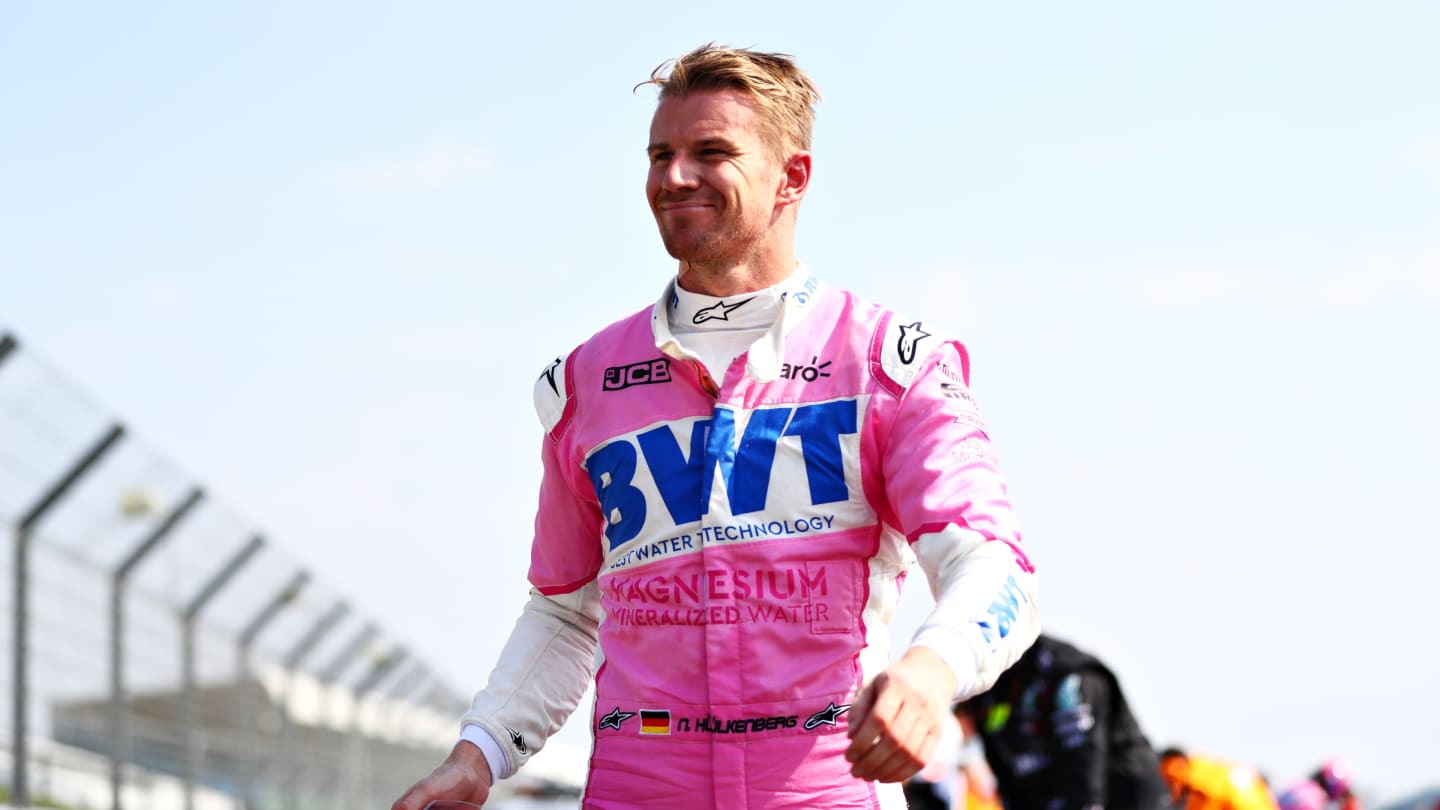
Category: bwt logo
[644,373]
[1004,610]
[684,479]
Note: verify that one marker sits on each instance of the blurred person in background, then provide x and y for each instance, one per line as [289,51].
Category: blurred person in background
[935,786]
[1328,788]
[980,788]
[736,480]
[1199,781]
[957,776]
[1058,734]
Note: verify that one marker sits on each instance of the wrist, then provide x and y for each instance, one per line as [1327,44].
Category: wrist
[469,757]
[495,756]
[938,673]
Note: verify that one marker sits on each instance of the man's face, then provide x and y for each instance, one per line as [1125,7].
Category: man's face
[713,182]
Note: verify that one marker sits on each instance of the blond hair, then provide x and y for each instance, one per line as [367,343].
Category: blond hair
[784,95]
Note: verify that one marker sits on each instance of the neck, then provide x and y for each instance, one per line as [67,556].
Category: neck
[734,278]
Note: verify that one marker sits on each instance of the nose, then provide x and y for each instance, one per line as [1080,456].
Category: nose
[679,173]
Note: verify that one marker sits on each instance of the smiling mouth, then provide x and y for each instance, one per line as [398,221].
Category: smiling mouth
[684,203]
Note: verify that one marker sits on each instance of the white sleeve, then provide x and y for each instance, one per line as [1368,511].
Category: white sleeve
[985,614]
[543,671]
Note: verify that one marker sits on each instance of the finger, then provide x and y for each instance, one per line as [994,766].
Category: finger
[869,751]
[414,799]
[885,753]
[864,738]
[860,708]
[908,759]
[904,748]
[882,702]
[886,703]
[442,783]
[894,760]
[869,762]
[892,763]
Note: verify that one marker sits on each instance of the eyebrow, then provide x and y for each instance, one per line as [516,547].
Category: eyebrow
[660,146]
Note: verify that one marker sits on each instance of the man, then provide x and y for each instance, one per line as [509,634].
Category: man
[1327,787]
[735,481]
[1198,781]
[1059,735]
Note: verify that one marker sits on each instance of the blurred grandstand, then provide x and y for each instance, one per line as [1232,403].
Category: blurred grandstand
[164,654]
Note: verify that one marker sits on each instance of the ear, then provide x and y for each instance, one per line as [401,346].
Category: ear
[794,180]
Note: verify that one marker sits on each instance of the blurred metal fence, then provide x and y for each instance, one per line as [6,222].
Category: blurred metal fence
[163,653]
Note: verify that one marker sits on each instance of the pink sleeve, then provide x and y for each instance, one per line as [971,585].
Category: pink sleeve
[939,465]
[566,552]
[947,495]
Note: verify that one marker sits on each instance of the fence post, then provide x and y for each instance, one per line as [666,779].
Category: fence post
[24,530]
[119,731]
[290,780]
[403,686]
[189,716]
[267,614]
[362,741]
[331,675]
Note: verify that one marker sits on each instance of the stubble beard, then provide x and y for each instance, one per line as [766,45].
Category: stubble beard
[720,247]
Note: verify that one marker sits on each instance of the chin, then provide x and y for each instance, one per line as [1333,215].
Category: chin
[685,249]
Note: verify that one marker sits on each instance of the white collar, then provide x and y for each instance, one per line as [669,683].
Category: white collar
[779,307]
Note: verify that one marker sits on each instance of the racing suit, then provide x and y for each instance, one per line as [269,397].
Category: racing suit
[736,547]
[1199,781]
[1308,794]
[1059,735]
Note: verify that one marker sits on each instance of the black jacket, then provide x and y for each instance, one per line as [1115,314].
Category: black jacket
[1058,735]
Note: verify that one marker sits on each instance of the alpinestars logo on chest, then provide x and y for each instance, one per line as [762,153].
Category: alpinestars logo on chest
[826,716]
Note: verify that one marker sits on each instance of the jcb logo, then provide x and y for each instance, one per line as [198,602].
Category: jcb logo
[650,371]
[683,477]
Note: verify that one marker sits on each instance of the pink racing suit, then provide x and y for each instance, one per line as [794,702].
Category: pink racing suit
[1305,795]
[736,548]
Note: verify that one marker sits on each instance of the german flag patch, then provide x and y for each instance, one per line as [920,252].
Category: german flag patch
[654,721]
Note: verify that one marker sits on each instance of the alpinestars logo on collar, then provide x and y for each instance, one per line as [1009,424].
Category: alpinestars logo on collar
[518,740]
[719,312]
[826,716]
[615,718]
[909,337]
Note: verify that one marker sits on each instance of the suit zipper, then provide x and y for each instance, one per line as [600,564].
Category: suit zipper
[705,380]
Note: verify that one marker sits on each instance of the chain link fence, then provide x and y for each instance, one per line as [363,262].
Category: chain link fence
[165,654]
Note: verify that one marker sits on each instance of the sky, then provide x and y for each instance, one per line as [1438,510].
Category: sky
[319,253]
